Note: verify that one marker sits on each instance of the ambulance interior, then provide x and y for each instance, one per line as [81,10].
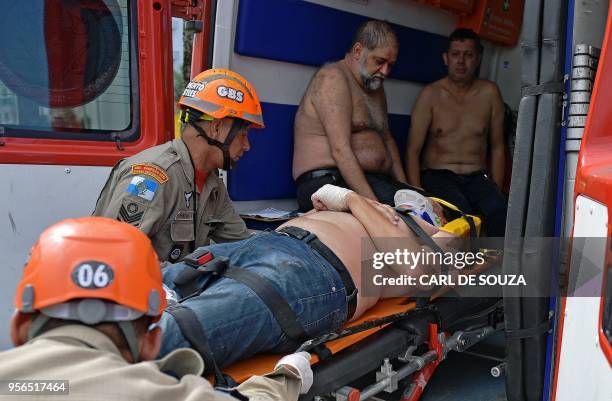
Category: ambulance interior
[278,45]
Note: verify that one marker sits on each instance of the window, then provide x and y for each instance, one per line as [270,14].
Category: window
[66,70]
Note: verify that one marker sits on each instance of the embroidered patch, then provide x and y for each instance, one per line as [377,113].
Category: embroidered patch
[188,196]
[175,253]
[131,213]
[142,187]
[150,170]
[132,207]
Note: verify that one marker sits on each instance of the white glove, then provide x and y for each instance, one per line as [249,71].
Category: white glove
[300,362]
[333,197]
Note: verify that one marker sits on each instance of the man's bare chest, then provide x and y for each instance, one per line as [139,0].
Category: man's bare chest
[472,115]
[368,114]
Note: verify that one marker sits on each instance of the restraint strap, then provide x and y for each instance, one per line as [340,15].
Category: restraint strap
[284,315]
[423,236]
[187,281]
[192,331]
[542,89]
[529,332]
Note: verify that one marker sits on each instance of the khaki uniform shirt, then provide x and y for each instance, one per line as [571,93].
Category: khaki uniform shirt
[95,370]
[155,191]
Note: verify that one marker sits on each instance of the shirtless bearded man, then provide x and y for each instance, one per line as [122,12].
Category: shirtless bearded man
[454,121]
[342,135]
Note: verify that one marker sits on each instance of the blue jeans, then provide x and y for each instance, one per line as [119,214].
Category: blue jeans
[236,322]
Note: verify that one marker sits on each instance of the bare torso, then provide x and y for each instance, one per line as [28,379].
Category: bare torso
[368,123]
[346,236]
[458,135]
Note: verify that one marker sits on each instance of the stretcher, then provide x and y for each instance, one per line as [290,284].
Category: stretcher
[397,344]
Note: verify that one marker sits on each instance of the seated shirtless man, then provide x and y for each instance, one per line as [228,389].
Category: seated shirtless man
[341,128]
[454,122]
[319,276]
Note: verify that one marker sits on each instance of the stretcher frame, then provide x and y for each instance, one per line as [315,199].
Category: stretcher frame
[404,354]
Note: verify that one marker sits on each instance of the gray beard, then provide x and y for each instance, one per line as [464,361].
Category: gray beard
[370,83]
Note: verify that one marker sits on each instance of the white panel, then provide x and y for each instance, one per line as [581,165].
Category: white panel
[503,66]
[584,372]
[224,34]
[590,22]
[267,74]
[401,12]
[34,197]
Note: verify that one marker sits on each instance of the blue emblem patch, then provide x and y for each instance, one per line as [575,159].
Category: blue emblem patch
[142,187]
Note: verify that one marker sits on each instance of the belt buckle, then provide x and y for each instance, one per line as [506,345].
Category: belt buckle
[283,233]
[295,232]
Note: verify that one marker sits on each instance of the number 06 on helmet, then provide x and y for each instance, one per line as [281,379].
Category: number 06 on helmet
[92,270]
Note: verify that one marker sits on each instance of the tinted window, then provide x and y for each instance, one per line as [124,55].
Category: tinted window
[65,68]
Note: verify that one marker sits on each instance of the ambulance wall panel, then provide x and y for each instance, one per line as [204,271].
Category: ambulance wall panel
[33,198]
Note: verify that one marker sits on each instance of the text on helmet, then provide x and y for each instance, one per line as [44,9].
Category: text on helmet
[230,93]
[193,88]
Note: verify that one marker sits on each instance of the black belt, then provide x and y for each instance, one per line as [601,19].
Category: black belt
[322,172]
[327,254]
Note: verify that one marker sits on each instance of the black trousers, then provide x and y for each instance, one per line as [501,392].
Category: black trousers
[473,193]
[383,185]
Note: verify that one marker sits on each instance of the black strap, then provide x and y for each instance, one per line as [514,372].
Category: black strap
[192,331]
[470,221]
[530,332]
[542,89]
[423,236]
[284,315]
[322,352]
[186,280]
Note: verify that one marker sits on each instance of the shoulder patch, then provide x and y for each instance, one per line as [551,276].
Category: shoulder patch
[131,212]
[150,170]
[142,187]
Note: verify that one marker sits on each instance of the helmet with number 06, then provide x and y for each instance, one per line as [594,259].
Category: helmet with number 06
[92,270]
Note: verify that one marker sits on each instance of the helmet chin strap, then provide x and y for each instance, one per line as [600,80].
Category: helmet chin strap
[225,145]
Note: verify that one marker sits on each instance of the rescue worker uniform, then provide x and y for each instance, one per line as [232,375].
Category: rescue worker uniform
[160,192]
[95,370]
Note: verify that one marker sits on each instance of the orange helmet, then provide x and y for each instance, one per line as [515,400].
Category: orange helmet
[110,265]
[220,93]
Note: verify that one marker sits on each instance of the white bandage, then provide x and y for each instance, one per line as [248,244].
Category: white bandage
[300,362]
[333,197]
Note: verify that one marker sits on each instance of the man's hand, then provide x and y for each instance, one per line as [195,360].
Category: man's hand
[299,363]
[387,211]
[331,197]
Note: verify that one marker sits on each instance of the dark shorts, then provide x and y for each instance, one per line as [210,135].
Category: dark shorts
[473,193]
[383,185]
[236,321]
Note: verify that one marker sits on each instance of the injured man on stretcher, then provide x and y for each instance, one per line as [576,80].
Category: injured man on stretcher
[283,287]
